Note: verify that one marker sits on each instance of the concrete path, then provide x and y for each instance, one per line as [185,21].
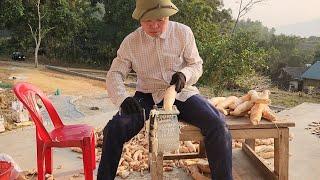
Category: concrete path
[305,147]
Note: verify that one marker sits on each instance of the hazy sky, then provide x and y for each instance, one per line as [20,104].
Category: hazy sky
[274,13]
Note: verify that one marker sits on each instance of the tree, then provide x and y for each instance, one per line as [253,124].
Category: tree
[118,24]
[38,34]
[317,53]
[244,9]
[227,60]
[230,60]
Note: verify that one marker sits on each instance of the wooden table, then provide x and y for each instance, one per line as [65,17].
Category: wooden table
[240,128]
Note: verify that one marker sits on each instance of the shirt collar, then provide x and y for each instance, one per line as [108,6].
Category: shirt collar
[165,34]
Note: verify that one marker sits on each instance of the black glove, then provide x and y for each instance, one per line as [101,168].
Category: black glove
[178,79]
[130,106]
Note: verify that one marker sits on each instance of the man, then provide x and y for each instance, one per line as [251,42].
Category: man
[162,53]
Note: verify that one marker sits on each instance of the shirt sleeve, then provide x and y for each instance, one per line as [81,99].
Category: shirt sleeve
[119,70]
[193,70]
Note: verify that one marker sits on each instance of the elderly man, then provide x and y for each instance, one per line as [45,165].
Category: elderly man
[162,53]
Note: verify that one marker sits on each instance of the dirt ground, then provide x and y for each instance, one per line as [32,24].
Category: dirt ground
[46,80]
[50,81]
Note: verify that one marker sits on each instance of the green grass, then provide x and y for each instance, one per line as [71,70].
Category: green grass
[291,99]
[5,85]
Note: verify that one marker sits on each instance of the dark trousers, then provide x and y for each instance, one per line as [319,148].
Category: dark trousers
[196,111]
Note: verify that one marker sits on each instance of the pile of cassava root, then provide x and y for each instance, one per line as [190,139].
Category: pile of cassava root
[135,156]
[255,104]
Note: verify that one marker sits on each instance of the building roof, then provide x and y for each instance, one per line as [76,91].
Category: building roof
[313,72]
[294,72]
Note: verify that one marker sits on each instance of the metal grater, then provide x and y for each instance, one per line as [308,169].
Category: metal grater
[163,130]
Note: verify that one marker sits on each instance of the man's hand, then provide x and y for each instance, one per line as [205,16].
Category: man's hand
[130,106]
[178,79]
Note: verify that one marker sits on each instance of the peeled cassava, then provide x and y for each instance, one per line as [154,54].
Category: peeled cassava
[169,98]
[226,103]
[264,97]
[253,95]
[244,107]
[260,97]
[225,112]
[239,101]
[255,103]
[268,114]
[256,113]
[223,105]
[216,100]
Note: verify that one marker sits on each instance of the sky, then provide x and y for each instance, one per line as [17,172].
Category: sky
[275,13]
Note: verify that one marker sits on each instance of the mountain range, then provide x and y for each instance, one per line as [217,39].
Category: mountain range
[303,29]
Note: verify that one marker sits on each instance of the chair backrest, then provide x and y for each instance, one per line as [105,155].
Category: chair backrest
[27,94]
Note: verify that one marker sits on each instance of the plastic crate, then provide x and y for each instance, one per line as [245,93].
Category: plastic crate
[5,170]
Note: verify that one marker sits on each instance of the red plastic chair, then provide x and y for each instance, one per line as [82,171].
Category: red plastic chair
[61,136]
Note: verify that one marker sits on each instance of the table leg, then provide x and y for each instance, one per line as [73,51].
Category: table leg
[251,143]
[281,154]
[202,149]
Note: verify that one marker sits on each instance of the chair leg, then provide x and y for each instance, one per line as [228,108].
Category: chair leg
[40,160]
[87,159]
[93,152]
[48,160]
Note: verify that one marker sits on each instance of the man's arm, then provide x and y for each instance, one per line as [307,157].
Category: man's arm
[193,70]
[119,70]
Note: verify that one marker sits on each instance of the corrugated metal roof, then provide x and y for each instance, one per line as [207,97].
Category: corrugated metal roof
[294,72]
[313,72]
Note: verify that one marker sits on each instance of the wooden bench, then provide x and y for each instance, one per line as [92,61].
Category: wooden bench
[240,128]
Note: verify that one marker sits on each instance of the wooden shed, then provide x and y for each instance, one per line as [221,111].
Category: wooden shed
[290,78]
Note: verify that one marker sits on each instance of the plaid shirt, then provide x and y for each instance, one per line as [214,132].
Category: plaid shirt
[155,60]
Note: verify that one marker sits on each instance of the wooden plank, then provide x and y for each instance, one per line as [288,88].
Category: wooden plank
[191,135]
[160,166]
[202,149]
[254,133]
[234,122]
[243,168]
[183,156]
[244,123]
[258,162]
[235,133]
[153,166]
[251,143]
[281,155]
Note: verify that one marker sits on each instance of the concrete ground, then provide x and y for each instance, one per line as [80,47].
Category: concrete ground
[305,147]
[20,144]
